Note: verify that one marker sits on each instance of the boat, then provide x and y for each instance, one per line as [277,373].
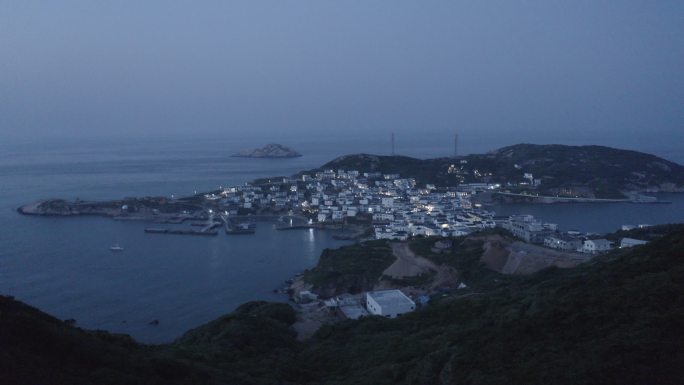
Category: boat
[116,248]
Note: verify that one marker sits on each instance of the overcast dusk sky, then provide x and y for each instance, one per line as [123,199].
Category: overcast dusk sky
[535,70]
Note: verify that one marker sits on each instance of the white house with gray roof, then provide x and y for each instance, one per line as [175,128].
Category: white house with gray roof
[595,246]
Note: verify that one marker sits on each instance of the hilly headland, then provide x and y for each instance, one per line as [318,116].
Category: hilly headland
[531,169]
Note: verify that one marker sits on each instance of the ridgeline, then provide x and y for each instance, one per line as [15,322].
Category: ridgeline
[617,319]
[586,171]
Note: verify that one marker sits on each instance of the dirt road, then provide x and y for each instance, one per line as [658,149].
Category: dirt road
[408,264]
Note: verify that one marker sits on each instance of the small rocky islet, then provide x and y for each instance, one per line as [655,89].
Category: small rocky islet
[272,150]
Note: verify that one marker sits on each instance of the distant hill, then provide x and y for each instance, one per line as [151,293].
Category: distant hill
[588,171]
[615,320]
[272,150]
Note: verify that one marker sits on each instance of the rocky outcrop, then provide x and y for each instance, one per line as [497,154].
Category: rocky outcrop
[272,150]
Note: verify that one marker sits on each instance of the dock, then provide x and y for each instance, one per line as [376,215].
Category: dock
[235,228]
[210,226]
[295,227]
[240,229]
[156,230]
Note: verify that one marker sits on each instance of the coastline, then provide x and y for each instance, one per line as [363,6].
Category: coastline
[542,199]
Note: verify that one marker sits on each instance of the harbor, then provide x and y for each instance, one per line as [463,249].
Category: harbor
[232,225]
[154,230]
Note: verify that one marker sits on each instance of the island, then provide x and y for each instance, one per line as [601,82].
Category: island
[397,197]
[272,150]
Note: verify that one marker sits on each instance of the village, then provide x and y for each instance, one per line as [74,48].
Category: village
[395,208]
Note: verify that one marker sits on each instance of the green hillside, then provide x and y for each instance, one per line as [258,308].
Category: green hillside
[36,348]
[350,269]
[590,171]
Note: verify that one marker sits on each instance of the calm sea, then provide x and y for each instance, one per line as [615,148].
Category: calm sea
[64,266]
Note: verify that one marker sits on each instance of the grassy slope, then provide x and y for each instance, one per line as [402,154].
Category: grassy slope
[36,348]
[350,269]
[253,345]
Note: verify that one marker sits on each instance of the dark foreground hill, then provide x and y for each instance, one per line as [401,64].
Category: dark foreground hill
[589,171]
[616,320]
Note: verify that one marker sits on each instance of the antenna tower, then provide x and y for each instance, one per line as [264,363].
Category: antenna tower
[393,144]
[455,145]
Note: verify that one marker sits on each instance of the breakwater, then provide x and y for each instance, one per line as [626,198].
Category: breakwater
[154,230]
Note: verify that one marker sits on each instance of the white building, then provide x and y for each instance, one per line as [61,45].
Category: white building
[527,228]
[389,303]
[595,246]
[562,242]
[383,217]
[629,242]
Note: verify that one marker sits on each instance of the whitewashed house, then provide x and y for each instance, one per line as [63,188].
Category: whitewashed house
[383,217]
[595,246]
[389,303]
[562,242]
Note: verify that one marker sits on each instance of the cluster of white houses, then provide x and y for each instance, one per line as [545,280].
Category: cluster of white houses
[396,207]
[533,230]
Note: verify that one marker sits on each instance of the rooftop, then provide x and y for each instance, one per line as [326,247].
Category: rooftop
[385,297]
[353,311]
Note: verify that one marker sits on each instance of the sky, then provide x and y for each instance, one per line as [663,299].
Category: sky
[521,71]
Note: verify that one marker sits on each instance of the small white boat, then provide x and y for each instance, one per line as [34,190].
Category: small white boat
[116,248]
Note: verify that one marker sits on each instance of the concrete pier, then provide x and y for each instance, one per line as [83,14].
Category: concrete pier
[179,232]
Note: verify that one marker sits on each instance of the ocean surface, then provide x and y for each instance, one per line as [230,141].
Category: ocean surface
[64,266]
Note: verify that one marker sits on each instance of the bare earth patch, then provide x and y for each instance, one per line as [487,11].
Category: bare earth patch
[408,264]
[518,257]
[310,318]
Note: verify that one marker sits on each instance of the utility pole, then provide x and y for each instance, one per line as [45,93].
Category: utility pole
[455,145]
[393,144]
